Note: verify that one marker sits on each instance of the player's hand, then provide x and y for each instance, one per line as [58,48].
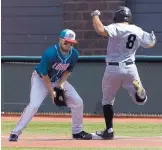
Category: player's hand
[153,36]
[95,13]
[53,95]
[59,86]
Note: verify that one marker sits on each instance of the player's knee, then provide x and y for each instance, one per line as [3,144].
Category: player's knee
[79,102]
[108,102]
[138,100]
[75,102]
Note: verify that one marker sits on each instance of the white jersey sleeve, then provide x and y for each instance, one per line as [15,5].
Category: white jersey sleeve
[110,30]
[147,39]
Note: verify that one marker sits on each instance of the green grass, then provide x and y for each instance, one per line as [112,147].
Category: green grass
[64,128]
[81,148]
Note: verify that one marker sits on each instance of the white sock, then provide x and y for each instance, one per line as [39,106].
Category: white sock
[110,130]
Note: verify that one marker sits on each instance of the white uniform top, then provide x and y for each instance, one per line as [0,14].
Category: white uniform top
[124,40]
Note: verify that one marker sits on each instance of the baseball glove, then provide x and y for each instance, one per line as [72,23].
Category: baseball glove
[60,99]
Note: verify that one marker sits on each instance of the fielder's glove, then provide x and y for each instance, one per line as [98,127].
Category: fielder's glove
[60,99]
[95,13]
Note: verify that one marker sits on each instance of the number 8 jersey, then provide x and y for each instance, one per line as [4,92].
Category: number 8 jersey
[124,40]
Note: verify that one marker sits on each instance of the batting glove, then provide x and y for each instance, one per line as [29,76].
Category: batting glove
[95,13]
[153,36]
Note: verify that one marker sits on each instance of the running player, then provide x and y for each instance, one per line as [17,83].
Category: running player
[124,40]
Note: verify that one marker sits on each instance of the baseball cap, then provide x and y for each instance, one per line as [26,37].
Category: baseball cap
[68,35]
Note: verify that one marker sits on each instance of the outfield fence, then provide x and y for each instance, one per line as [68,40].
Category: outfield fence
[86,78]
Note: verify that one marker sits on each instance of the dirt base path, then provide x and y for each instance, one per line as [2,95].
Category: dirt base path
[64,141]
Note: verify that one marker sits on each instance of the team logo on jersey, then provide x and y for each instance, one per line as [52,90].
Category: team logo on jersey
[59,66]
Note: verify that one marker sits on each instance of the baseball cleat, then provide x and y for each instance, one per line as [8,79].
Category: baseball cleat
[140,91]
[105,134]
[82,136]
[13,138]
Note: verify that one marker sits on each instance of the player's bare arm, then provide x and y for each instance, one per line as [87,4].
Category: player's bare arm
[97,24]
[63,78]
[151,45]
[47,81]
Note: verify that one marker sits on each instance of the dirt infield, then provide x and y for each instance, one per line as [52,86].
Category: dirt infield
[57,142]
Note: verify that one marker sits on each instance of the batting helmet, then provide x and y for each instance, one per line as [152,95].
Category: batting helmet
[122,14]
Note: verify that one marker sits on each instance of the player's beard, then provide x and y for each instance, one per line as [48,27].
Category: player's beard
[64,48]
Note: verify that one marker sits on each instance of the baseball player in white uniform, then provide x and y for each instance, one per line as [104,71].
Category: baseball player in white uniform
[124,40]
[56,64]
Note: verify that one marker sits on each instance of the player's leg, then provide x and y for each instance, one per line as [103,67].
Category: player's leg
[110,85]
[75,103]
[37,95]
[132,83]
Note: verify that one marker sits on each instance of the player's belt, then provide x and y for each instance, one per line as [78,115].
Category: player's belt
[117,63]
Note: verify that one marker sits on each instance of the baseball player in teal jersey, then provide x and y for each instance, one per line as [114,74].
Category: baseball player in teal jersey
[53,70]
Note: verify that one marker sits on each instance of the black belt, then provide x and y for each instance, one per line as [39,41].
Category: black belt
[117,64]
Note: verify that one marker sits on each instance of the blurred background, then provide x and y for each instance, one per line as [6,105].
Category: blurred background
[30,26]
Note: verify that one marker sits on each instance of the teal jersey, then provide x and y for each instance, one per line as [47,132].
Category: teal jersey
[53,63]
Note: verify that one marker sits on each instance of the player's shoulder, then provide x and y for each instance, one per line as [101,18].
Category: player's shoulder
[75,52]
[112,25]
[136,30]
[51,51]
[136,27]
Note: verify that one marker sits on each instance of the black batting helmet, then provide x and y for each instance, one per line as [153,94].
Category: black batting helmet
[122,14]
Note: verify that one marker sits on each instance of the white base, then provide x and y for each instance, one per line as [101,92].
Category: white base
[96,137]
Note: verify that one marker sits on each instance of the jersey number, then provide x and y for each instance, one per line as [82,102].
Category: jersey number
[130,42]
